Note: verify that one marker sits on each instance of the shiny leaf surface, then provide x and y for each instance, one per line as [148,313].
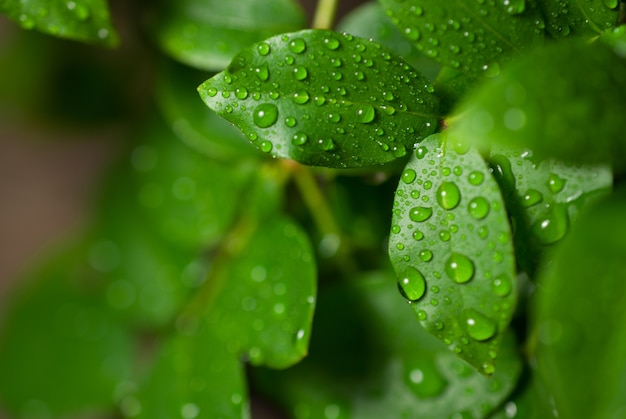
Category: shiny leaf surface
[325,99]
[451,248]
[579,17]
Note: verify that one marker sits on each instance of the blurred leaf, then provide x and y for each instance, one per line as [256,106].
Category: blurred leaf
[580,315]
[571,112]
[452,251]
[61,352]
[194,376]
[370,360]
[82,20]
[206,34]
[579,18]
[307,96]
[195,124]
[544,198]
[370,21]
[475,38]
[530,400]
[451,86]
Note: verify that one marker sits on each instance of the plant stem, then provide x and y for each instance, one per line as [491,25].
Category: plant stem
[325,14]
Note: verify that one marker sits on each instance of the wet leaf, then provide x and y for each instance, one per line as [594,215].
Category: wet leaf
[572,113]
[61,351]
[579,18]
[580,314]
[82,20]
[207,34]
[197,126]
[325,99]
[451,248]
[473,37]
[370,360]
[544,198]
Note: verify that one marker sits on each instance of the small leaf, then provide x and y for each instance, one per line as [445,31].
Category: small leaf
[207,34]
[82,20]
[572,112]
[369,21]
[451,248]
[579,18]
[580,315]
[266,306]
[61,351]
[544,198]
[369,360]
[198,127]
[310,96]
[194,376]
[473,37]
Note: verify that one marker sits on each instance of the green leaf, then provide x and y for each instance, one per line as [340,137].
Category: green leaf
[207,34]
[473,37]
[310,96]
[544,198]
[572,112]
[82,20]
[579,17]
[452,85]
[370,360]
[530,400]
[451,248]
[266,306]
[369,21]
[61,352]
[194,376]
[580,315]
[198,127]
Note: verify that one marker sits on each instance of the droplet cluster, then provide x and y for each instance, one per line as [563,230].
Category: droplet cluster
[451,247]
[325,98]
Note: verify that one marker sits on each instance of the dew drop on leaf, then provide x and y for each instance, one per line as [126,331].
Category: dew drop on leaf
[331,43]
[531,197]
[365,114]
[552,226]
[479,326]
[300,72]
[412,285]
[459,268]
[408,176]
[501,285]
[555,183]
[476,178]
[265,115]
[448,195]
[297,45]
[420,214]
[424,379]
[263,48]
[478,207]
[301,97]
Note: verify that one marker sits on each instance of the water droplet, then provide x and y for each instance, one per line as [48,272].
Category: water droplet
[299,138]
[531,197]
[478,326]
[611,4]
[300,97]
[266,146]
[211,91]
[334,117]
[290,121]
[459,268]
[476,178]
[412,285]
[408,176]
[81,11]
[262,72]
[300,73]
[297,45]
[265,115]
[418,235]
[501,285]
[478,207]
[331,43]
[551,226]
[426,255]
[420,214]
[263,48]
[388,96]
[423,378]
[241,93]
[444,235]
[448,195]
[326,144]
[556,183]
[365,114]
[514,7]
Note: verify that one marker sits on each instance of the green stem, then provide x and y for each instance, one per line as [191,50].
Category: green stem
[325,14]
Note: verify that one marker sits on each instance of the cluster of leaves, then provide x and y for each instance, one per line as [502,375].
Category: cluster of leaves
[498,124]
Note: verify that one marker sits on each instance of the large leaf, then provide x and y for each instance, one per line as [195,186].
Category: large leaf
[580,315]
[325,99]
[206,34]
[61,351]
[571,112]
[198,127]
[451,248]
[579,17]
[544,198]
[370,360]
[474,37]
[83,20]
